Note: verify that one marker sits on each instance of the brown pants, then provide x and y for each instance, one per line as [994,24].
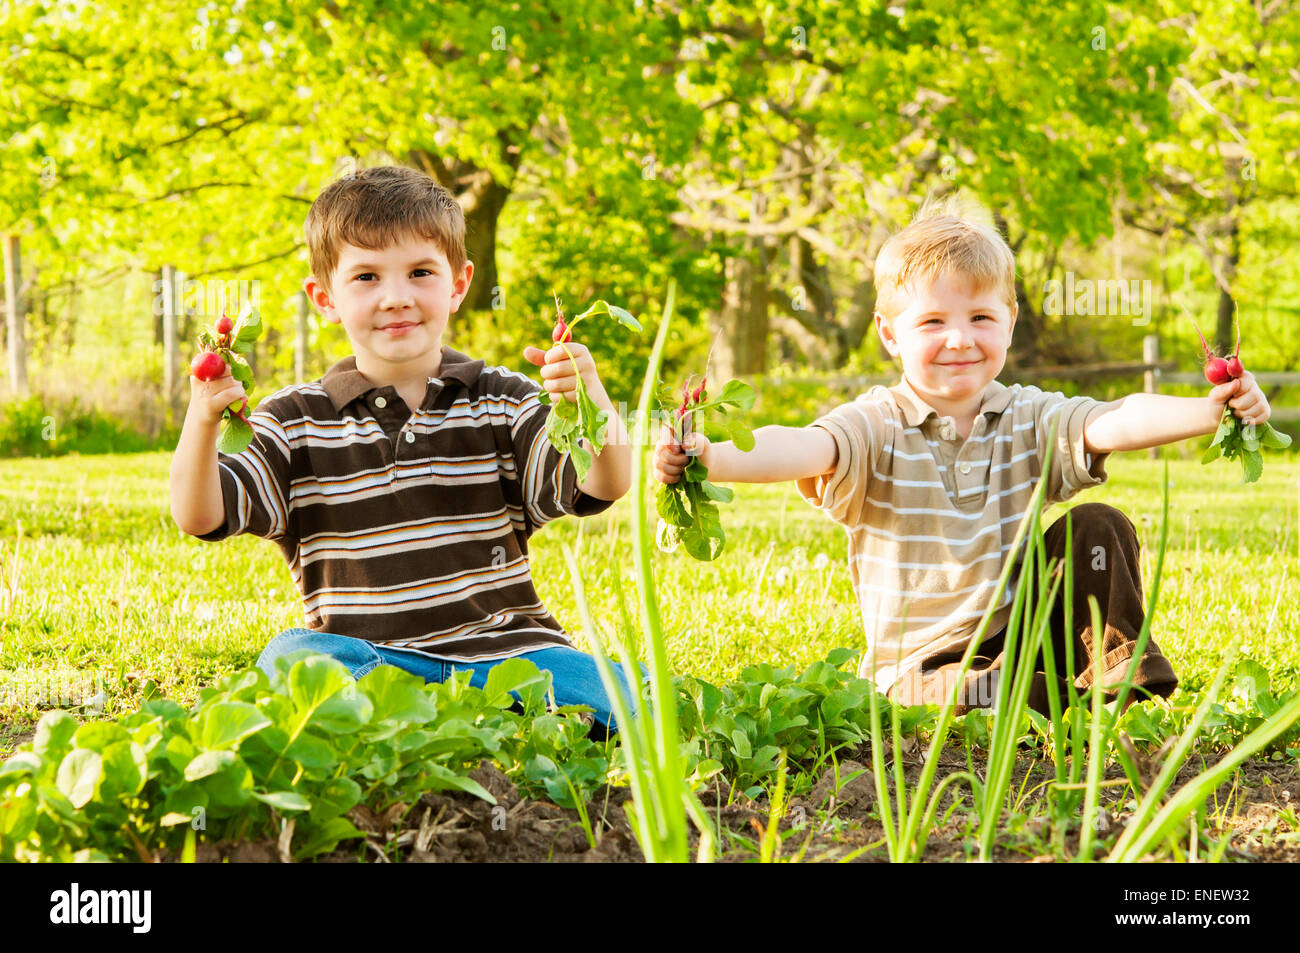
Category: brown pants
[1105,566]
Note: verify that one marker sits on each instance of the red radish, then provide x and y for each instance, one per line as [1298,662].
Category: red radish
[224,325]
[561,333]
[697,395]
[1216,368]
[1217,372]
[207,366]
[1235,370]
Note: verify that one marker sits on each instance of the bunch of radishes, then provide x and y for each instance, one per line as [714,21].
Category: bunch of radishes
[226,344]
[569,424]
[1233,438]
[688,509]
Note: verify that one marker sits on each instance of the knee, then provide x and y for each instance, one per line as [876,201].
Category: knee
[290,641]
[1093,519]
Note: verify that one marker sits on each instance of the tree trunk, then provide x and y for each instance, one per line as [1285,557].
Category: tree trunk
[742,325]
[812,303]
[1029,326]
[481,245]
[1224,334]
[481,198]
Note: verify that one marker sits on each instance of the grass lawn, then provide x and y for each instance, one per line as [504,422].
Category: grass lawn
[96,582]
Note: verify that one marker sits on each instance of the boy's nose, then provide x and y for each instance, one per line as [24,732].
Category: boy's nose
[959,339]
[396,298]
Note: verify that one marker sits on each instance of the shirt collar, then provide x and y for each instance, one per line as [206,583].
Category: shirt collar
[344,383]
[996,399]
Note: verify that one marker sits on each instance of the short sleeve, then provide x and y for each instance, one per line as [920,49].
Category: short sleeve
[1073,468]
[858,429]
[549,479]
[255,481]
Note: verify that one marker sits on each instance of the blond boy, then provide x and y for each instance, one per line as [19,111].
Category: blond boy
[932,476]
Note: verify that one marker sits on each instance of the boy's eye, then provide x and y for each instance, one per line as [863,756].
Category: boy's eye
[371,274]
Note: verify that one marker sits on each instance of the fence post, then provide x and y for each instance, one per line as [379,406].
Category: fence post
[300,350]
[17,316]
[171,343]
[1151,376]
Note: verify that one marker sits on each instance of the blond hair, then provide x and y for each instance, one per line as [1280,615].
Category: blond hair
[953,235]
[375,207]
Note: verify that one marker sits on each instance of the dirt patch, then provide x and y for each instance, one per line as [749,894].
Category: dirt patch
[836,820]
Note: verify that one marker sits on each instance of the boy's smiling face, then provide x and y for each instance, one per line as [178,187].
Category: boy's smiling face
[393,303]
[952,338]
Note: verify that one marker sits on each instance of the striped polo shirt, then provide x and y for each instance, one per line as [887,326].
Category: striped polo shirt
[931,517]
[405,528]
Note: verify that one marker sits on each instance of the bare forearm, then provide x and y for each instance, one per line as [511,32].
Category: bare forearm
[610,475]
[780,454]
[196,501]
[1139,421]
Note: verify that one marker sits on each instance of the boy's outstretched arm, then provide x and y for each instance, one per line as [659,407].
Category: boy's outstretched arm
[779,454]
[196,501]
[1139,421]
[610,476]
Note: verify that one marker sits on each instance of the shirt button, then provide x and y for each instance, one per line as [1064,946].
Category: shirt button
[947,431]
[410,438]
[964,468]
[381,403]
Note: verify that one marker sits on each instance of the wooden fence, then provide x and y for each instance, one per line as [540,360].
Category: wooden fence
[1154,373]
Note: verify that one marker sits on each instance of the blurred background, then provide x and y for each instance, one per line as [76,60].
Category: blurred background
[159,161]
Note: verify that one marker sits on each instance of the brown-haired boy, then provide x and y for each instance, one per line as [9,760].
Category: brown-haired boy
[931,477]
[402,487]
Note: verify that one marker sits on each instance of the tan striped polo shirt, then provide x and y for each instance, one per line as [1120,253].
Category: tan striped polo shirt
[409,528]
[931,517]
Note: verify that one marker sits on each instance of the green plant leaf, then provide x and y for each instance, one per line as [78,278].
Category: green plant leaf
[79,774]
[397,696]
[738,394]
[54,733]
[1252,465]
[623,317]
[314,679]
[234,436]
[720,494]
[1269,437]
[284,800]
[344,713]
[98,735]
[224,724]
[125,768]
[516,675]
[325,837]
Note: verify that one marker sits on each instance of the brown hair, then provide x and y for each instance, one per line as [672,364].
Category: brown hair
[948,236]
[374,207]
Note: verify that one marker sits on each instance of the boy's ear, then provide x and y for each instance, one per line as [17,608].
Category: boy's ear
[461,287]
[886,334]
[1015,309]
[319,296]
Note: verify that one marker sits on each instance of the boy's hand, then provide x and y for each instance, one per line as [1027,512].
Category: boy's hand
[672,458]
[1245,397]
[561,367]
[208,399]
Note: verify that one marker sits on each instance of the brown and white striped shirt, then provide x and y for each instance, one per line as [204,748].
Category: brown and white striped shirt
[409,528]
[931,517]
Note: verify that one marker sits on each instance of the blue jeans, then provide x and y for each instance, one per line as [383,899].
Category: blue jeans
[575,678]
